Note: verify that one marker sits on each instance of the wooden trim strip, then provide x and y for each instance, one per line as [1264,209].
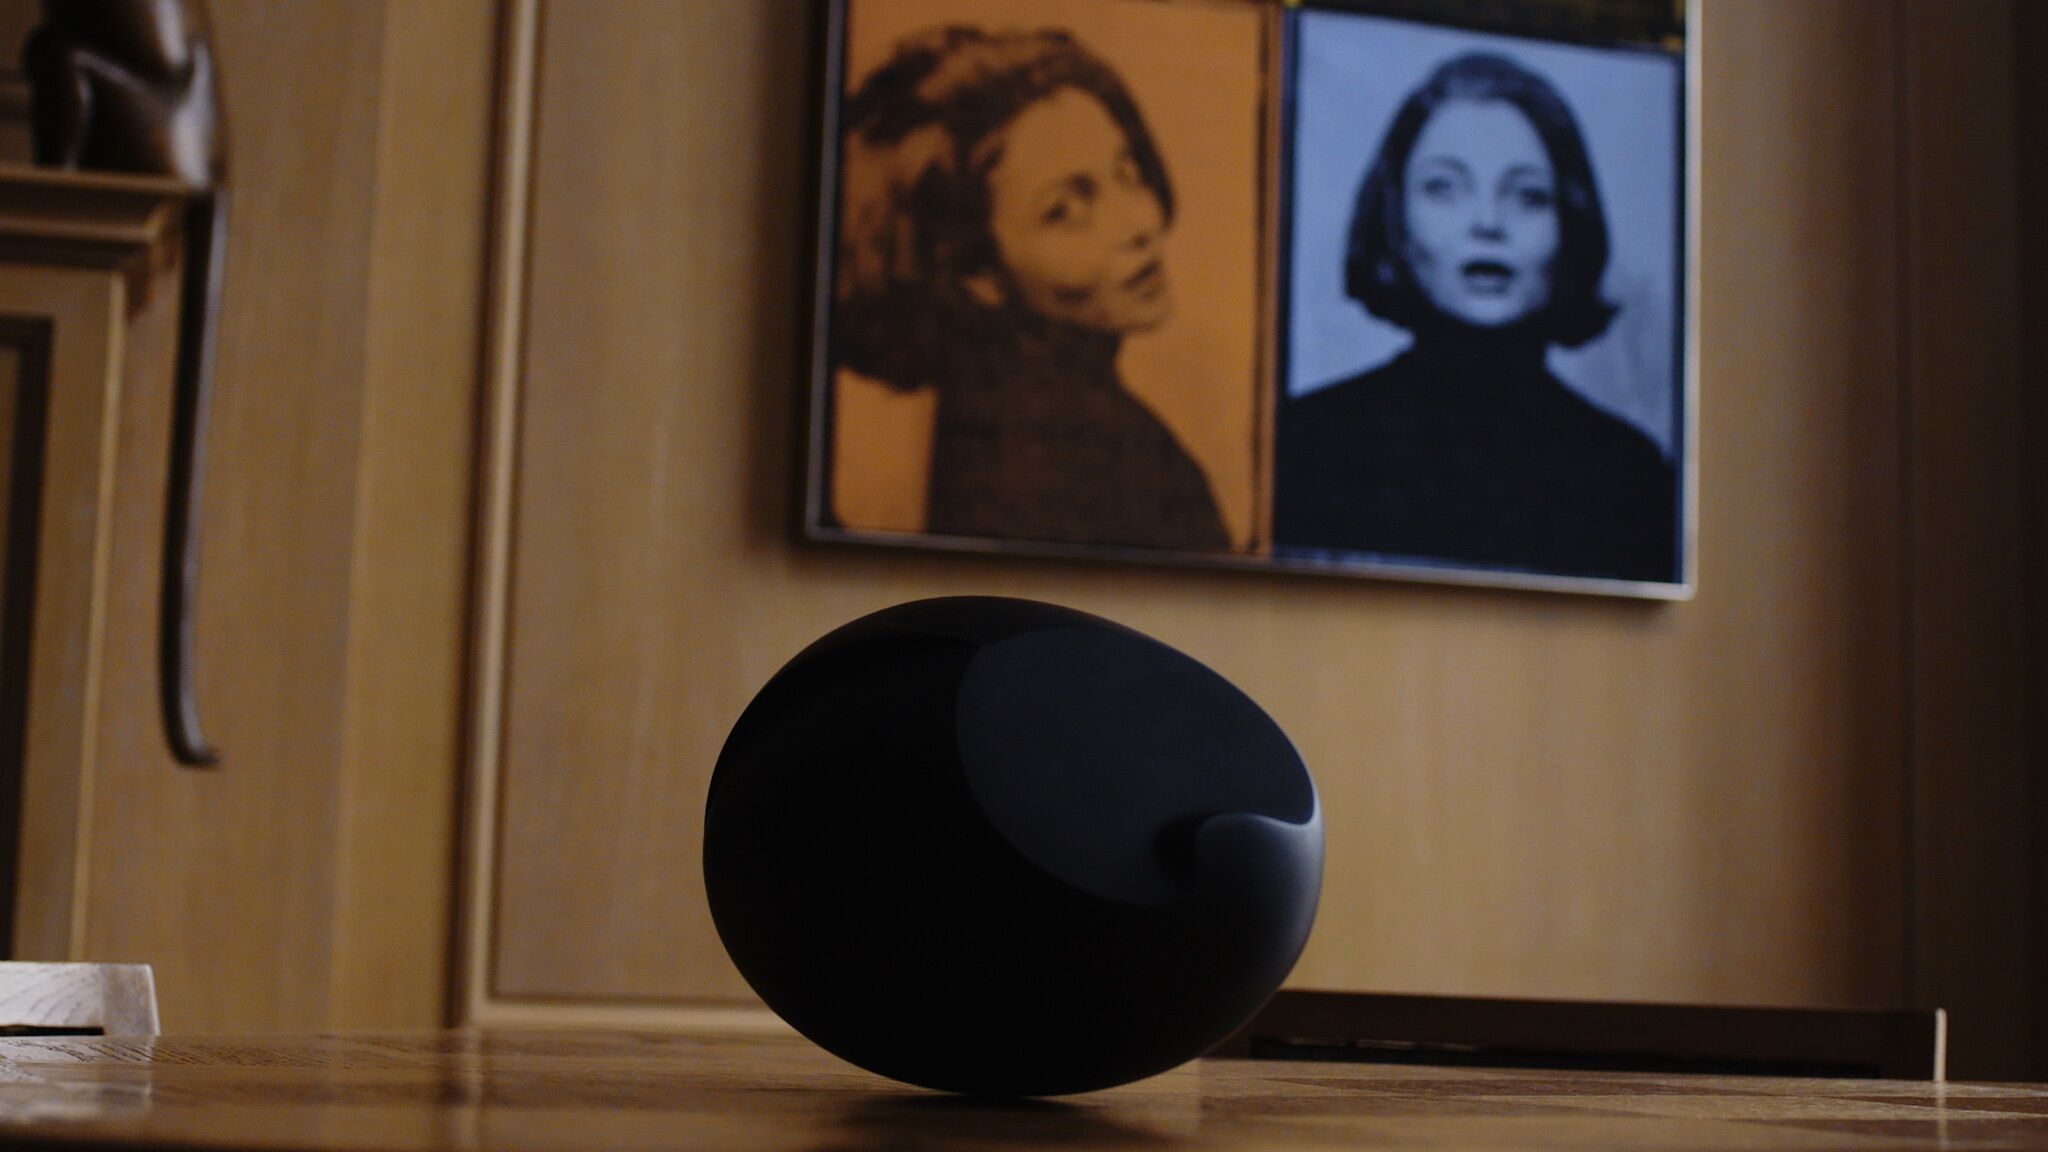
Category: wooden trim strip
[2030,38]
[83,310]
[24,419]
[511,220]
[118,213]
[705,1019]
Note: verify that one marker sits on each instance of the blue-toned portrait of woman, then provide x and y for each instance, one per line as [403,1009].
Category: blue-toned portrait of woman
[1483,331]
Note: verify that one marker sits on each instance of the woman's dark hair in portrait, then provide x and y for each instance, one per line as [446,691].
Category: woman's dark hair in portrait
[1376,267]
[920,137]
[1465,447]
[1034,436]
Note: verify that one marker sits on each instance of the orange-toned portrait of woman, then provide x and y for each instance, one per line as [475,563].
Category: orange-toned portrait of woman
[1042,298]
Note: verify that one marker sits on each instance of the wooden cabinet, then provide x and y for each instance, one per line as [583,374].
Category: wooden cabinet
[306,881]
[87,288]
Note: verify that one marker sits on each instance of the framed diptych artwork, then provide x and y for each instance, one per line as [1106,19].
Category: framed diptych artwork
[1372,288]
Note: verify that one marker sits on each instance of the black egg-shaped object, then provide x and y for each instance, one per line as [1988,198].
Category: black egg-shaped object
[999,847]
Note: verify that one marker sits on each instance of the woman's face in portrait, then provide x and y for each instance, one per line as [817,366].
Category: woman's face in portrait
[1077,229]
[1481,201]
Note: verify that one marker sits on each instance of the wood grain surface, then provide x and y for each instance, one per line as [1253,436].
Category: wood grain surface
[403,724]
[1525,795]
[569,1091]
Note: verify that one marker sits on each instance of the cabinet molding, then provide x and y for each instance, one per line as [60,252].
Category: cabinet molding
[504,339]
[77,258]
[126,224]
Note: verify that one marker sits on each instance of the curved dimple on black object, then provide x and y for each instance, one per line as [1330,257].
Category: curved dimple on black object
[1001,847]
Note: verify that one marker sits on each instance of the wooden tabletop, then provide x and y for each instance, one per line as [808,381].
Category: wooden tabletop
[582,1090]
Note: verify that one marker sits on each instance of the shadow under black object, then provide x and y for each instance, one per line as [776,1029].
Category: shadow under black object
[999,847]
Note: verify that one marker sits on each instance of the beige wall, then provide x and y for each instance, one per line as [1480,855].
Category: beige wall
[1736,799]
[1799,787]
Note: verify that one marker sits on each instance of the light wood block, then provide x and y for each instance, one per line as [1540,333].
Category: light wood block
[90,999]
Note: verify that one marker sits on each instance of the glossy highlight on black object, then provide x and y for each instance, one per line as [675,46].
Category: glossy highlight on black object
[1001,847]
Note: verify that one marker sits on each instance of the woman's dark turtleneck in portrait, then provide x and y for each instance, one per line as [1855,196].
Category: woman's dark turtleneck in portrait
[1467,449]
[1037,439]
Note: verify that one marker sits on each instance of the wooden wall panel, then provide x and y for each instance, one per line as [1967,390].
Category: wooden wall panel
[2030,59]
[410,567]
[224,879]
[1965,513]
[1524,794]
[305,881]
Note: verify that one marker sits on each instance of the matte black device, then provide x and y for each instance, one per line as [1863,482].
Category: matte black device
[1001,847]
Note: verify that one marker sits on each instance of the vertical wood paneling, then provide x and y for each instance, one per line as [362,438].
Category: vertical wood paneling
[225,879]
[305,882]
[2030,57]
[410,579]
[1965,513]
[1525,794]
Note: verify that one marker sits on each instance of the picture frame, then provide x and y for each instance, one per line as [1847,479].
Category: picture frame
[1142,280]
